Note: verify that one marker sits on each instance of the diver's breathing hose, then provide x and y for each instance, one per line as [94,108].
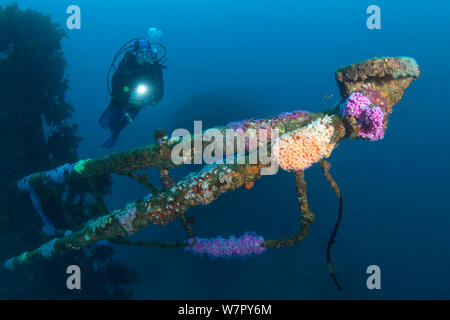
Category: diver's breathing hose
[118,53]
[163,47]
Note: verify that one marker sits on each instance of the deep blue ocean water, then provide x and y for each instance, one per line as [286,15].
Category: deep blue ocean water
[231,60]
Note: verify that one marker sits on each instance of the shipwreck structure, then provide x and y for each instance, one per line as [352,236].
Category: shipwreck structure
[369,90]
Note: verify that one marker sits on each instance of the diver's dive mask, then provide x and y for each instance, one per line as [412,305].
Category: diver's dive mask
[144,52]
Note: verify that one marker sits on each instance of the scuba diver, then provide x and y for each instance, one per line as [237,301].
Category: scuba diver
[137,82]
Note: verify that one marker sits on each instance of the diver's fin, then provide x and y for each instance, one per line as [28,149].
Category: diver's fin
[105,118]
[110,141]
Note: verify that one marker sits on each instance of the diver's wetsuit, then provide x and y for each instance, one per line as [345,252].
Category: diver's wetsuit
[129,75]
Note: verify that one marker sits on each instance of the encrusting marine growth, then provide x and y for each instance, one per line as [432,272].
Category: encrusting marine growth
[301,148]
[248,244]
[368,116]
[369,90]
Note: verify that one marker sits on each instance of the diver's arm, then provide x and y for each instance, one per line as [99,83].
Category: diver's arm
[120,93]
[153,77]
[158,83]
[137,100]
[120,82]
[134,101]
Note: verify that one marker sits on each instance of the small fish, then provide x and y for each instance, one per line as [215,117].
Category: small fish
[327,96]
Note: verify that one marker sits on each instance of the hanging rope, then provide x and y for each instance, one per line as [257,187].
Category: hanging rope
[326,166]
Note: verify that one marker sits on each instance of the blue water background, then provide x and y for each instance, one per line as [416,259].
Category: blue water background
[231,60]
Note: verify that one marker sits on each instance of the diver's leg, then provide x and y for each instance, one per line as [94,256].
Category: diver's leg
[112,118]
[105,117]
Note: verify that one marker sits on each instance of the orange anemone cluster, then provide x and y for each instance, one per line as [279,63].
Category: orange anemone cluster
[301,148]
